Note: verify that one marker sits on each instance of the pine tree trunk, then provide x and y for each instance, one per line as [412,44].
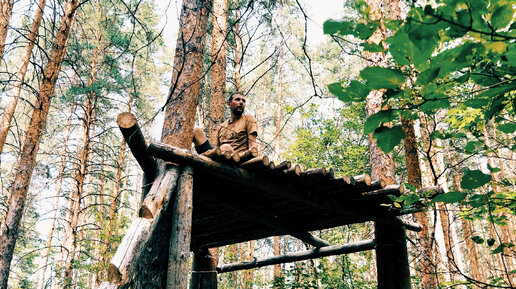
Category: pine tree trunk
[277,268]
[73,237]
[424,260]
[27,159]
[55,208]
[248,275]
[218,70]
[6,8]
[184,91]
[14,94]
[279,103]
[238,52]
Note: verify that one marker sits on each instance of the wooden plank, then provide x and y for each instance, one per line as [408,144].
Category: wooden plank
[179,250]
[300,256]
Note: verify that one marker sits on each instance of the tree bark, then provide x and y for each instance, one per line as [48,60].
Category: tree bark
[73,237]
[179,254]
[218,70]
[14,94]
[425,258]
[238,52]
[184,91]
[6,8]
[29,150]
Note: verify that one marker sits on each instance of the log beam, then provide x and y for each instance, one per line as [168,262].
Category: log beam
[134,138]
[299,256]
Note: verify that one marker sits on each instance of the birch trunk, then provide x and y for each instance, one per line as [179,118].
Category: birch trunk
[29,149]
[14,94]
[425,259]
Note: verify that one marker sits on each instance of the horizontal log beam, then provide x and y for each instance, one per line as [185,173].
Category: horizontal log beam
[299,256]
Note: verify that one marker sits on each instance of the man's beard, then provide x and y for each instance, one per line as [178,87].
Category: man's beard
[238,111]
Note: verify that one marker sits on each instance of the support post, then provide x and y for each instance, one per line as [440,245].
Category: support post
[179,253]
[391,254]
[204,269]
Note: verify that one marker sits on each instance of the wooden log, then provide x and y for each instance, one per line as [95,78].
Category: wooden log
[391,254]
[134,138]
[282,167]
[293,172]
[366,179]
[248,154]
[179,249]
[204,269]
[257,162]
[123,262]
[415,227]
[160,193]
[299,256]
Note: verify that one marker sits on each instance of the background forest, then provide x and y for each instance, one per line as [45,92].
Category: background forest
[425,90]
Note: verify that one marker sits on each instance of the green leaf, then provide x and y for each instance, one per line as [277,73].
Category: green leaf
[508,127]
[402,49]
[430,106]
[473,147]
[502,16]
[380,77]
[388,137]
[372,47]
[473,179]
[496,106]
[490,242]
[449,198]
[376,120]
[342,27]
[355,91]
[428,75]
[477,239]
[392,24]
[484,80]
[500,248]
[365,30]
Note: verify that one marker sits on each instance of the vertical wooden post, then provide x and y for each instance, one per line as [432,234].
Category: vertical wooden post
[391,254]
[179,254]
[204,269]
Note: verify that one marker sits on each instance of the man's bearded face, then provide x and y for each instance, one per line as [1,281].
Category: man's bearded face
[237,104]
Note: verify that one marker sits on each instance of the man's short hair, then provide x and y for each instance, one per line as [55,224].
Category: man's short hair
[230,98]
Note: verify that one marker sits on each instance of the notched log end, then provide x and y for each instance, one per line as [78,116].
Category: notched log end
[126,120]
[145,212]
[114,275]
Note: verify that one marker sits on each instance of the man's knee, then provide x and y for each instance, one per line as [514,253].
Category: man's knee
[199,137]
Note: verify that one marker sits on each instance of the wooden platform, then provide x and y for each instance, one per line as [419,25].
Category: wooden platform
[232,204]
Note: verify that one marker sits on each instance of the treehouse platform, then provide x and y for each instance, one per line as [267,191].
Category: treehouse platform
[193,203]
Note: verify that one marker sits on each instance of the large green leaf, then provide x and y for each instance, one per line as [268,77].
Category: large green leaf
[355,91]
[502,15]
[507,127]
[372,47]
[431,106]
[365,30]
[428,75]
[341,27]
[473,179]
[376,120]
[388,137]
[449,198]
[401,48]
[380,77]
